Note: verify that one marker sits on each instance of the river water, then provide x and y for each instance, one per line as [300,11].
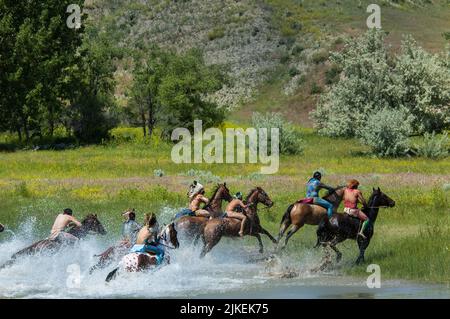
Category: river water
[232,270]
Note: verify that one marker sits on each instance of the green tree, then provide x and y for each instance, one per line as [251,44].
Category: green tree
[35,47]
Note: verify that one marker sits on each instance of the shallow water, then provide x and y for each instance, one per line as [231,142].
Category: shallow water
[232,270]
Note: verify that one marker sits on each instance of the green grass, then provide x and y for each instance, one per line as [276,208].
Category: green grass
[410,242]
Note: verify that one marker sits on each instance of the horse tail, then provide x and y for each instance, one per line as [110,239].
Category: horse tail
[112,275]
[287,214]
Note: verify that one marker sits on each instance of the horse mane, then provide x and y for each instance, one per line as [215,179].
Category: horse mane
[251,192]
[88,217]
[216,189]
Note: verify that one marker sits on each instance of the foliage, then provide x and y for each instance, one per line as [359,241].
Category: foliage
[372,81]
[290,139]
[387,132]
[434,146]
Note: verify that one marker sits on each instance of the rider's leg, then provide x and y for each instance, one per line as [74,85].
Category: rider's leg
[365,220]
[326,204]
[202,213]
[241,217]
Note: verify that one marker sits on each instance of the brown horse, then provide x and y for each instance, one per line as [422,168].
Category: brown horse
[191,227]
[140,261]
[343,226]
[229,227]
[299,214]
[89,225]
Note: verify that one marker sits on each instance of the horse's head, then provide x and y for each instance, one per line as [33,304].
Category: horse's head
[92,224]
[2,228]
[259,195]
[224,192]
[169,235]
[380,199]
[335,196]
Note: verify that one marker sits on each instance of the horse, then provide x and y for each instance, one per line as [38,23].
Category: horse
[229,227]
[343,226]
[90,224]
[299,214]
[2,228]
[137,261]
[192,226]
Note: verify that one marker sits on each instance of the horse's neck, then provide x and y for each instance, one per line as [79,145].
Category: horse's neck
[334,199]
[254,203]
[372,212]
[216,202]
[78,232]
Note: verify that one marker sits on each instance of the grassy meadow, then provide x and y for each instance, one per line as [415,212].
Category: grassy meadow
[411,241]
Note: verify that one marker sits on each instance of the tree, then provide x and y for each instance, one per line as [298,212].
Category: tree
[372,81]
[35,47]
[172,90]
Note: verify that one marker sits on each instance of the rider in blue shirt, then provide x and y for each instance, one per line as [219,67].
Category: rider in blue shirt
[312,191]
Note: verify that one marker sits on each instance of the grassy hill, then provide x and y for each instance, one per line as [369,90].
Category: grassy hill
[275,50]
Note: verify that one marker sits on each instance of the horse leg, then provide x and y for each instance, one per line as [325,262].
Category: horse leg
[291,232]
[284,226]
[209,242]
[362,244]
[265,232]
[261,247]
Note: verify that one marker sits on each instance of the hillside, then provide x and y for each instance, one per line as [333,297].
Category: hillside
[274,50]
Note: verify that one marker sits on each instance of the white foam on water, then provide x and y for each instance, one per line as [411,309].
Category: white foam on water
[232,268]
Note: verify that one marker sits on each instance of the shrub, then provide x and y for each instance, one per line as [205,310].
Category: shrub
[387,132]
[293,71]
[316,89]
[290,139]
[319,57]
[216,33]
[373,80]
[434,146]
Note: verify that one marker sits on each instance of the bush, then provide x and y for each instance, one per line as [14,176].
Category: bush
[293,71]
[216,33]
[373,80]
[434,146]
[290,139]
[316,89]
[319,57]
[387,132]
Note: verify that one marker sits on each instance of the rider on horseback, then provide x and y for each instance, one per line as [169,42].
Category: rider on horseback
[61,222]
[147,239]
[130,228]
[312,191]
[196,196]
[235,209]
[353,196]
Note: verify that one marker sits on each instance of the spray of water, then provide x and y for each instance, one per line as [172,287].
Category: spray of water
[233,267]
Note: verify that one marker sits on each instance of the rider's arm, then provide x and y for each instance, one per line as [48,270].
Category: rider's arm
[204,199]
[73,220]
[361,199]
[321,185]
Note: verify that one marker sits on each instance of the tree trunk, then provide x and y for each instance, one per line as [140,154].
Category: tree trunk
[144,128]
[19,133]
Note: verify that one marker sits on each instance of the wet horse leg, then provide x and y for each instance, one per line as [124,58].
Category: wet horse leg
[333,244]
[261,247]
[291,232]
[362,244]
[265,232]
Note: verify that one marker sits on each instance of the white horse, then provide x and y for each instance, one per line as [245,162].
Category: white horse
[139,261]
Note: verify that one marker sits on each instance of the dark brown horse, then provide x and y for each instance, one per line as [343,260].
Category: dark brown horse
[191,227]
[89,225]
[343,226]
[229,227]
[137,261]
[299,214]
